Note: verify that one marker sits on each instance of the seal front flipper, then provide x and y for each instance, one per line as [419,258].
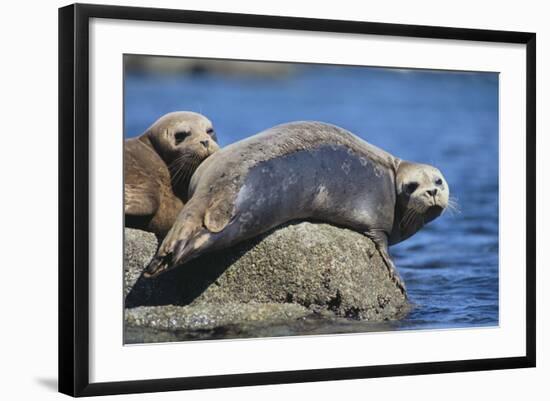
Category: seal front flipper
[186,240]
[218,214]
[178,250]
[380,240]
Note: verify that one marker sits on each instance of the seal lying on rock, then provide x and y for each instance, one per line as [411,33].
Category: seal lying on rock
[158,166]
[302,171]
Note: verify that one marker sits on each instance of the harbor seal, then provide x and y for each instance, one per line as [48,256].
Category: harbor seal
[158,166]
[302,171]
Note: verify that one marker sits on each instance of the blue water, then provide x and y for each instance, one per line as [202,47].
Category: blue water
[448,119]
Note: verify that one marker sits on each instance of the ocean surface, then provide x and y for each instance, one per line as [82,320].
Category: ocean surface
[448,119]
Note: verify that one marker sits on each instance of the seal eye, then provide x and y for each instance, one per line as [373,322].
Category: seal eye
[210,131]
[411,187]
[439,181]
[180,136]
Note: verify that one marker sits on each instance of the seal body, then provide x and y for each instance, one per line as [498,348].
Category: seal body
[158,166]
[300,171]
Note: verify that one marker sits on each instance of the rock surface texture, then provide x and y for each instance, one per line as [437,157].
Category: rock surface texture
[293,272]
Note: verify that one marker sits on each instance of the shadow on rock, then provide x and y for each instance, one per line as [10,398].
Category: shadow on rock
[183,284]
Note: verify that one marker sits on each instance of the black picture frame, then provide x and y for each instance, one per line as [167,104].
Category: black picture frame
[74,198]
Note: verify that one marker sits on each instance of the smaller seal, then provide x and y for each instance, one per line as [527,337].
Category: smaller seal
[158,166]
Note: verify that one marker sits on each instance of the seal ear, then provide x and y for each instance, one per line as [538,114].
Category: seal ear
[218,214]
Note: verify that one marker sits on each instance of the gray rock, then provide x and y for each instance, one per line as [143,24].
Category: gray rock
[316,268]
[210,316]
[139,249]
[168,323]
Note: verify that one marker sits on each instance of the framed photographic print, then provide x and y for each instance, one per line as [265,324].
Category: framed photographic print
[280,199]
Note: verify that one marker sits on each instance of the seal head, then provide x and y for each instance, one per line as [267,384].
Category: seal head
[182,138]
[422,195]
[158,166]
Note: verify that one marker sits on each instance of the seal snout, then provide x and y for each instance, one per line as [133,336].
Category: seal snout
[434,202]
[433,197]
[432,192]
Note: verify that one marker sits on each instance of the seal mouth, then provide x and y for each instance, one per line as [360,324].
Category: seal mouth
[433,211]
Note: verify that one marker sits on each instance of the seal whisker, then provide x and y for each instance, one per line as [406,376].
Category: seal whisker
[177,171]
[411,219]
[403,221]
[176,166]
[183,167]
[186,173]
[453,206]
[177,160]
[188,169]
[180,158]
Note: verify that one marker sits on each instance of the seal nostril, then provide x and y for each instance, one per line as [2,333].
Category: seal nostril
[432,192]
[205,143]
